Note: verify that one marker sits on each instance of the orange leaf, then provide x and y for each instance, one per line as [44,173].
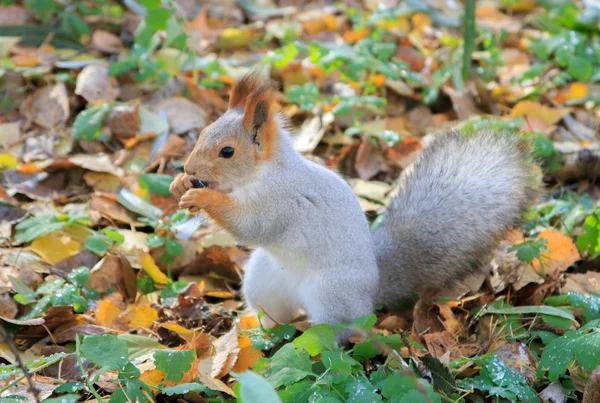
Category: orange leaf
[563,253]
[106,313]
[181,331]
[139,317]
[30,168]
[29,59]
[247,322]
[153,377]
[578,90]
[353,37]
[246,359]
[538,111]
[378,80]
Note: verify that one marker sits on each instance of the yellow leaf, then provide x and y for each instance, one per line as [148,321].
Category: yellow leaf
[153,377]
[181,331]
[563,253]
[7,161]
[219,294]
[55,247]
[538,111]
[578,90]
[106,313]
[247,322]
[139,317]
[421,21]
[246,359]
[152,269]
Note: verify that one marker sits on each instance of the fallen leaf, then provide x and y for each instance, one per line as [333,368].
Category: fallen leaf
[9,134]
[48,106]
[124,120]
[55,247]
[106,313]
[563,253]
[138,317]
[95,85]
[182,114]
[578,91]
[96,163]
[226,350]
[535,110]
[106,42]
[147,263]
[12,15]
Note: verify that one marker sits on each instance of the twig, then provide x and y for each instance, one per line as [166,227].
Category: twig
[26,374]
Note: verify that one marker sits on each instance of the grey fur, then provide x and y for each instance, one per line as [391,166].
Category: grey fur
[451,207]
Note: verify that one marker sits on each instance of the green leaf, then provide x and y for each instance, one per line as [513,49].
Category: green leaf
[105,351]
[529,250]
[98,244]
[138,346]
[174,363]
[396,385]
[70,387]
[442,378]
[150,4]
[469,37]
[184,388]
[253,388]
[114,235]
[137,205]
[557,355]
[536,309]
[590,303]
[157,18]
[589,240]
[361,391]
[133,390]
[32,228]
[70,398]
[79,276]
[288,366]
[155,241]
[366,322]
[317,339]
[580,68]
[587,351]
[156,183]
[173,247]
[88,123]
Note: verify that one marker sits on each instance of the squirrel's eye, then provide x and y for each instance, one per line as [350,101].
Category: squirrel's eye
[226,152]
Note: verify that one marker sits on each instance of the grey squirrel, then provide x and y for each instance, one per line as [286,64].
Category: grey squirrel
[315,251]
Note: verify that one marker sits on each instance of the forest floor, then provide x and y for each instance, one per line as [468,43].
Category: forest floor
[109,293]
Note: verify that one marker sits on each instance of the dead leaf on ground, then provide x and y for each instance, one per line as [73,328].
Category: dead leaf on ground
[12,15]
[48,106]
[182,114]
[554,393]
[95,85]
[563,253]
[124,120]
[518,357]
[369,160]
[106,42]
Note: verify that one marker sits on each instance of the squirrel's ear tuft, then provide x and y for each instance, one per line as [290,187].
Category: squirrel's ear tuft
[243,88]
[260,105]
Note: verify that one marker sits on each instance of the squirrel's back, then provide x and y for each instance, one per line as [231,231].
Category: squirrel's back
[451,208]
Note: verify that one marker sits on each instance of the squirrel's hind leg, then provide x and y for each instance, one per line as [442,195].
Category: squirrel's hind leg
[328,299]
[267,287]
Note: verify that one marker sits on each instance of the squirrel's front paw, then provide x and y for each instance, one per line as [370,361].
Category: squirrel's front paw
[181,184]
[198,199]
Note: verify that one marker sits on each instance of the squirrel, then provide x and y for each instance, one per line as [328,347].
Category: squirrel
[314,249]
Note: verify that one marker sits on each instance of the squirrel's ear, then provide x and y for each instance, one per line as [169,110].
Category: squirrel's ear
[242,90]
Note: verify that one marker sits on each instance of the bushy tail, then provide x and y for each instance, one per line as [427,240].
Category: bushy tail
[452,206]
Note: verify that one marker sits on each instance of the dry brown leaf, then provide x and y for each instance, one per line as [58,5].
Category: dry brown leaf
[182,114]
[106,42]
[48,106]
[563,253]
[12,15]
[124,120]
[220,363]
[95,85]
[96,163]
[369,160]
[8,306]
